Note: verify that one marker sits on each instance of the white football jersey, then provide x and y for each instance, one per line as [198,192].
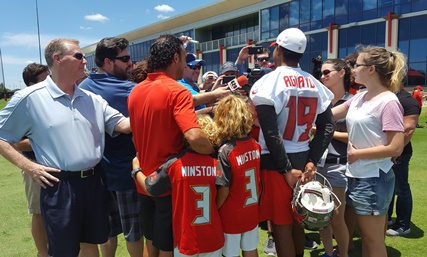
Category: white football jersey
[297,98]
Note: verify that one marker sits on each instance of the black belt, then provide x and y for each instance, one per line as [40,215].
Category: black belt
[73,174]
[336,160]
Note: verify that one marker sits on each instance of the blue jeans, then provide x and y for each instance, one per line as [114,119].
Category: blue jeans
[403,192]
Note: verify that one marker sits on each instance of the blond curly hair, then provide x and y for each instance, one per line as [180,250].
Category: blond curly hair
[210,128]
[233,117]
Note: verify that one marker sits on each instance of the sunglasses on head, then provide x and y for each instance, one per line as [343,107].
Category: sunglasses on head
[79,56]
[195,67]
[260,59]
[326,72]
[124,58]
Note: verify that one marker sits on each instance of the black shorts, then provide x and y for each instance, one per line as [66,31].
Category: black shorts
[157,220]
[75,211]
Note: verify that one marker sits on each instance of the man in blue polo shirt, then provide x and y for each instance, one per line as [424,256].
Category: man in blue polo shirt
[191,75]
[65,126]
[111,82]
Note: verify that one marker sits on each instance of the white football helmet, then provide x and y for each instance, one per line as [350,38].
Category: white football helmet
[313,204]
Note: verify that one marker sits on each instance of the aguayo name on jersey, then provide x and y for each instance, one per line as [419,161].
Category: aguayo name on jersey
[298,81]
[199,171]
[248,156]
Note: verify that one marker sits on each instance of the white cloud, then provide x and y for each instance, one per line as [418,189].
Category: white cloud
[27,40]
[161,16]
[85,28]
[164,8]
[96,17]
[31,40]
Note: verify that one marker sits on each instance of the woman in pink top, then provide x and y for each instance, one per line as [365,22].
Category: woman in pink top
[375,125]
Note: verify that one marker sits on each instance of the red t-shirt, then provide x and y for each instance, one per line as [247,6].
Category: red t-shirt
[160,111]
[196,223]
[240,161]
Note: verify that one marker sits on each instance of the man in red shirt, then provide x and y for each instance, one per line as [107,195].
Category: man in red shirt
[162,114]
[418,95]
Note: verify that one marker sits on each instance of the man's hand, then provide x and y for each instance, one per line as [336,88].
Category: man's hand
[221,92]
[292,177]
[243,54]
[310,173]
[41,174]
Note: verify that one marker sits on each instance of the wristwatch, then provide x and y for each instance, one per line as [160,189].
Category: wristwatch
[134,172]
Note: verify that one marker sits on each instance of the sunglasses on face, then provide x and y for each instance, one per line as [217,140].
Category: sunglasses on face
[260,59]
[326,72]
[79,56]
[210,77]
[195,67]
[124,58]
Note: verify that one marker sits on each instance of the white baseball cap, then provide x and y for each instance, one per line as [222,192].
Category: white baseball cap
[213,73]
[292,39]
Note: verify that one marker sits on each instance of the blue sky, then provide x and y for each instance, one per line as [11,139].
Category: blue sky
[85,20]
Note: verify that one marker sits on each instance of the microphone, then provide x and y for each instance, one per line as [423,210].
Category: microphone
[236,84]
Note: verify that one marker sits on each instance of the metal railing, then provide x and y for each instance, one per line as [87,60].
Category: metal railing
[229,41]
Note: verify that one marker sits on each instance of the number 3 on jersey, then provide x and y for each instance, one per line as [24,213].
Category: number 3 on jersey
[251,187]
[301,114]
[203,204]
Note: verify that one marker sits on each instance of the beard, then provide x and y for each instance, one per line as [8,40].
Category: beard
[124,74]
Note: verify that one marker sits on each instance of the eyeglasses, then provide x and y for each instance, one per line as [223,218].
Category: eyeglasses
[358,65]
[195,67]
[124,58]
[260,59]
[210,77]
[326,72]
[79,56]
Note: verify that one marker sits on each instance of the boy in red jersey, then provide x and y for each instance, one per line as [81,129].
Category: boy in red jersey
[239,161]
[192,177]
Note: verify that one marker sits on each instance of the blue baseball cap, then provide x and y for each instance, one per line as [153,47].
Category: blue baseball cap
[192,60]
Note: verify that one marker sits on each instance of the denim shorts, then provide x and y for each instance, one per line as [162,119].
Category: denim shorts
[371,196]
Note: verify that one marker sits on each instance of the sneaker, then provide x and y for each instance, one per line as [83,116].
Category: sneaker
[270,247]
[398,232]
[310,244]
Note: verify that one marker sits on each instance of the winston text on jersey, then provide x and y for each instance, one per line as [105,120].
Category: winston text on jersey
[199,171]
[248,156]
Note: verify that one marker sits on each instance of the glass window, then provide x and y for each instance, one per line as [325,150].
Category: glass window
[212,62]
[284,17]
[304,11]
[328,8]
[404,47]
[369,15]
[341,7]
[385,3]
[404,29]
[316,10]
[355,17]
[369,4]
[294,12]
[380,39]
[368,34]
[274,18]
[418,50]
[416,22]
[265,25]
[402,8]
[419,5]
[355,6]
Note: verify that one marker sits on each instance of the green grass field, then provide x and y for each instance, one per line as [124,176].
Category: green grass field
[16,240]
